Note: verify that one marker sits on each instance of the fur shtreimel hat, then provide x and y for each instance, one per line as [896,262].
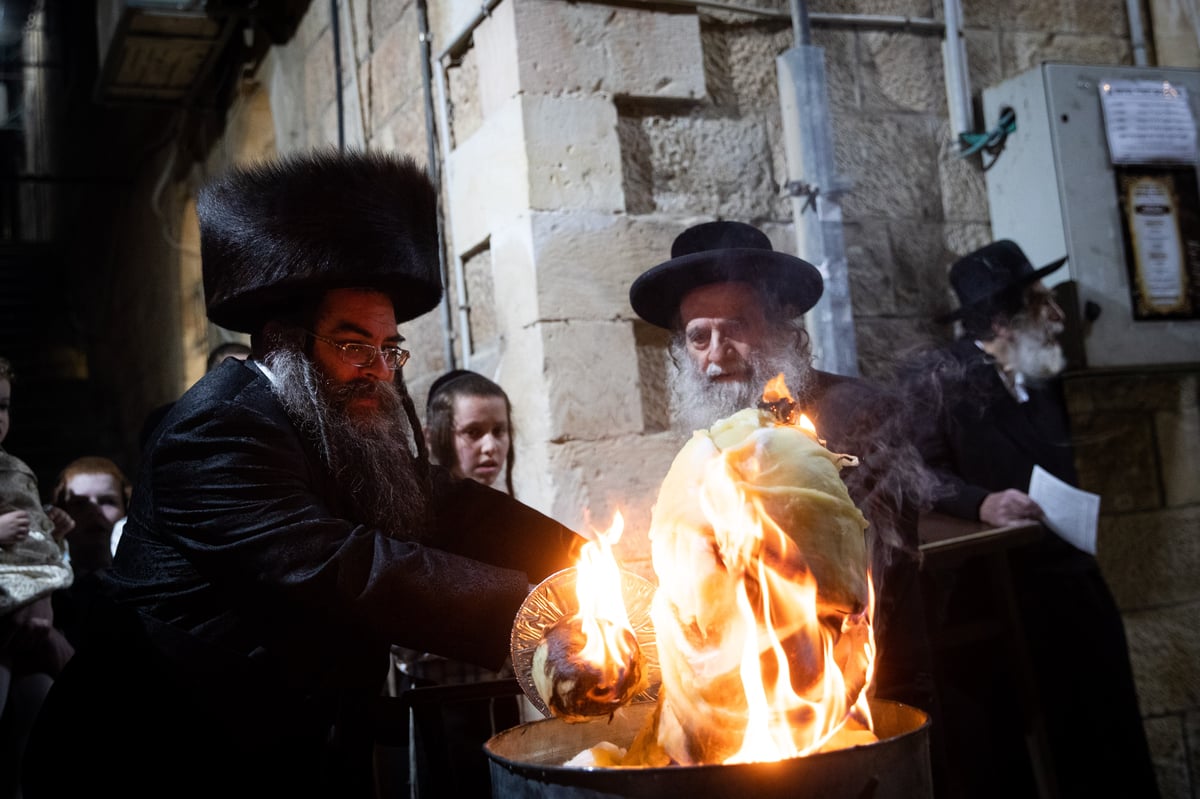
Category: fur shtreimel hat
[281,232]
[719,252]
[992,280]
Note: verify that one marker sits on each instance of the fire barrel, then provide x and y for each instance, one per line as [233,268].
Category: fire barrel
[526,763]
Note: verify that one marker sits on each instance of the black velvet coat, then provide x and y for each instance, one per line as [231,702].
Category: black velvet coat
[985,441]
[252,614]
[1080,680]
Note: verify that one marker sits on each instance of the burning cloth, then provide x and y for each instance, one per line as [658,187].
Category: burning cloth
[762,614]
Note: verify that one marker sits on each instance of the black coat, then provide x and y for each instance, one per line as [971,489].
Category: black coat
[1068,630]
[253,614]
[984,441]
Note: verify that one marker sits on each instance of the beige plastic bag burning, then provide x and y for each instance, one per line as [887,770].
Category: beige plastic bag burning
[763,613]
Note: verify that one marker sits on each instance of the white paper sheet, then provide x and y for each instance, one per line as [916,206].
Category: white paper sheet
[1070,512]
[1148,121]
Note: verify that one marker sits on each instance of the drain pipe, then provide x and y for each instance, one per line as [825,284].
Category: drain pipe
[954,64]
[336,35]
[460,280]
[808,142]
[435,175]
[1137,32]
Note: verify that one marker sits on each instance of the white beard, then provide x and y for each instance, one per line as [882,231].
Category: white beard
[1035,351]
[698,399]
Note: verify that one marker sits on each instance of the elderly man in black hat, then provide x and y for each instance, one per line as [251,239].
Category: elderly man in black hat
[733,305]
[288,528]
[992,410]
[1010,353]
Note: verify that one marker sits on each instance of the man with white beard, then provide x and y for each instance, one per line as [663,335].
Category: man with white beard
[990,408]
[1007,357]
[287,528]
[733,305]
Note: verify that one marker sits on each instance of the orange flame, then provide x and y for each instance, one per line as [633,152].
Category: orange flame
[790,712]
[776,389]
[602,613]
[758,664]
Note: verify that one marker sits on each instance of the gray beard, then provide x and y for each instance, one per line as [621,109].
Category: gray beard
[370,456]
[1035,350]
[698,401]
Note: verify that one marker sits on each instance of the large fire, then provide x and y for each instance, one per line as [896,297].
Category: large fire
[763,612]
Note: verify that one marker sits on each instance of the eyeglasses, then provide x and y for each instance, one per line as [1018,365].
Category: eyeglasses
[363,355]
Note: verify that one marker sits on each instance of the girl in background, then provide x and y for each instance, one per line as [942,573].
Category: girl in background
[468,424]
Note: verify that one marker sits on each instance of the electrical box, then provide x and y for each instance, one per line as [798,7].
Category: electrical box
[1055,190]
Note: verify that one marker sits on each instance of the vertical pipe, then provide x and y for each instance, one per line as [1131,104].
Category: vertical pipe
[954,59]
[1137,32]
[435,174]
[808,141]
[464,318]
[335,31]
[801,30]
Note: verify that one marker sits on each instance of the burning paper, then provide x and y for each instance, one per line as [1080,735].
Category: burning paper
[762,615]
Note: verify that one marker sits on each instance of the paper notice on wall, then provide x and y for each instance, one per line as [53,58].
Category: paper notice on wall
[1148,121]
[1157,248]
[1070,512]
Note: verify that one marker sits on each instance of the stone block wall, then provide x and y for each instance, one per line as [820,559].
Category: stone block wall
[1137,436]
[583,136]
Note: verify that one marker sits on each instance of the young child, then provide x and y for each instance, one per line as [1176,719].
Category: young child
[32,567]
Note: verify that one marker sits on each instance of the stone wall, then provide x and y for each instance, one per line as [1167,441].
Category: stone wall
[581,137]
[1138,445]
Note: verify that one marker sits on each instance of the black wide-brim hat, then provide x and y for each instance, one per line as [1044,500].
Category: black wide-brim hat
[992,278]
[720,252]
[280,233]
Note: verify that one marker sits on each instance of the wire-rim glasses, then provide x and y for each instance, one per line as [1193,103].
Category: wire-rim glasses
[363,355]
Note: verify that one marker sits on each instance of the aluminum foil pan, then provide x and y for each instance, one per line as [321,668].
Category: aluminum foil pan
[555,598]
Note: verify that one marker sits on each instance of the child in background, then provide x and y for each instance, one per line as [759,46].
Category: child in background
[468,423]
[32,567]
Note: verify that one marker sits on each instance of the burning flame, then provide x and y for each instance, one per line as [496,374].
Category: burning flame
[761,659]
[766,650]
[787,714]
[604,619]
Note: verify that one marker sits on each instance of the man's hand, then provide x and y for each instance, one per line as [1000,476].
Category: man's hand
[14,527]
[1009,507]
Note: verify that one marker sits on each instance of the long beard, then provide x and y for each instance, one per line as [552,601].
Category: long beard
[369,454]
[1035,351]
[698,399]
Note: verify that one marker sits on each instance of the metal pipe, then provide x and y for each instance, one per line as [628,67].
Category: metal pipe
[435,175]
[808,142]
[872,21]
[954,60]
[801,30]
[356,75]
[460,287]
[335,30]
[461,38]
[1137,32]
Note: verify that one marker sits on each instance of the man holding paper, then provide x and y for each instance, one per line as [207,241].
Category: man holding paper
[993,414]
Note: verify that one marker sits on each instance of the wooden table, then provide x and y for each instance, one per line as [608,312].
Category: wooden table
[947,536]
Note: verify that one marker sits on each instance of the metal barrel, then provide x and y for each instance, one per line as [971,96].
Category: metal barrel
[526,763]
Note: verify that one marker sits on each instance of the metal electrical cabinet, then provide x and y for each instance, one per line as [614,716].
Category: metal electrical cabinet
[1054,190]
